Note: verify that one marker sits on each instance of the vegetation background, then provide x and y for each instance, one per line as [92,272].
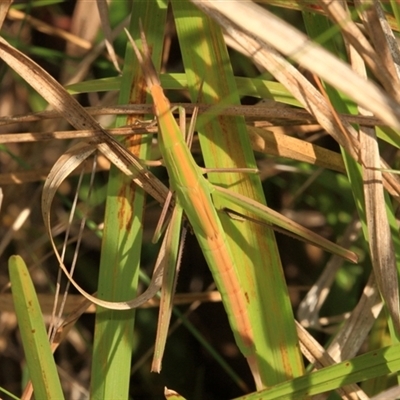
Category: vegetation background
[320,187]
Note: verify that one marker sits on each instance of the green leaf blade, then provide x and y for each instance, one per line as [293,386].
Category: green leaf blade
[39,357]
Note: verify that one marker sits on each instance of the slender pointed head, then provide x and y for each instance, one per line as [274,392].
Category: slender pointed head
[144,59]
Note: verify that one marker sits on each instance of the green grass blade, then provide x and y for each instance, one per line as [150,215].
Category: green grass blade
[225,144]
[122,240]
[375,363]
[39,357]
[176,81]
[11,395]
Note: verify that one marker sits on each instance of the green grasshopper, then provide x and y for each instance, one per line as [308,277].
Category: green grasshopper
[194,195]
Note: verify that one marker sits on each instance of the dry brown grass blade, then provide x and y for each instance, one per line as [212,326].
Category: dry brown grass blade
[48,29]
[380,240]
[353,34]
[4,7]
[40,174]
[131,109]
[85,24]
[263,141]
[310,306]
[9,234]
[281,145]
[379,234]
[68,162]
[283,71]
[317,355]
[391,40]
[82,69]
[275,115]
[105,23]
[354,331]
[390,394]
[76,115]
[79,134]
[25,137]
[289,41]
[74,301]
[384,42]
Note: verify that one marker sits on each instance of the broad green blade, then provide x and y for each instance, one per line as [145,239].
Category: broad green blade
[122,240]
[176,81]
[369,365]
[39,357]
[225,144]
